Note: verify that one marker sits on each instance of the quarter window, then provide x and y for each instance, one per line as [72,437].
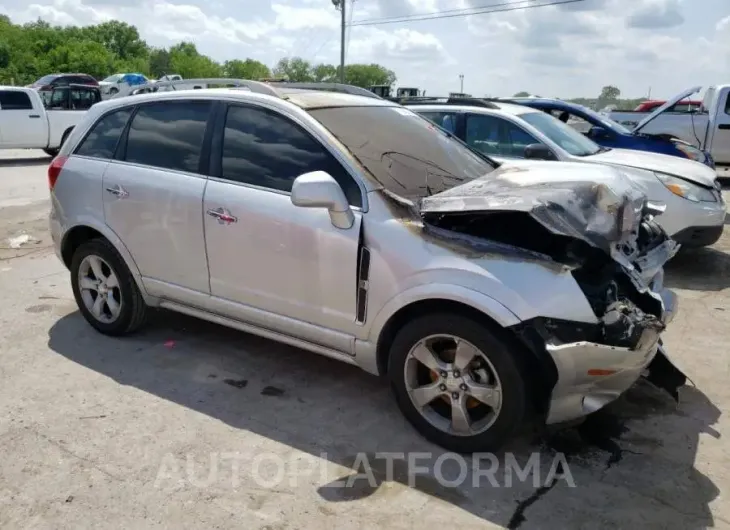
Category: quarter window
[265,149]
[14,100]
[168,135]
[101,142]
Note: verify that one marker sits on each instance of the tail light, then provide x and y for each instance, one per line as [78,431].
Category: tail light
[54,170]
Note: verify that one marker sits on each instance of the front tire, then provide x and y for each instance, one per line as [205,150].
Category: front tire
[105,291]
[457,383]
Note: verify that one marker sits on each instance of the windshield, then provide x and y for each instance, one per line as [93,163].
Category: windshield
[112,78]
[605,121]
[405,153]
[562,134]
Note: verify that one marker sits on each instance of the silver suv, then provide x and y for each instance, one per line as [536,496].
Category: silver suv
[354,228]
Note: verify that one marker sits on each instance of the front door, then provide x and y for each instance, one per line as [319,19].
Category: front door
[21,124]
[269,259]
[153,196]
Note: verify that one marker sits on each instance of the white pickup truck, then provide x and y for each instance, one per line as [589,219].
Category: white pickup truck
[42,120]
[708,128]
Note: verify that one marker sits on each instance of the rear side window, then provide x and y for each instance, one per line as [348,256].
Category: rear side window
[14,100]
[265,149]
[168,135]
[101,142]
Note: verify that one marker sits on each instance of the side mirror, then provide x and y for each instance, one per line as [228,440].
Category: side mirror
[319,190]
[598,132]
[539,152]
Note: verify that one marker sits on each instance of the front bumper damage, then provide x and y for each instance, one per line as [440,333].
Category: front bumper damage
[606,234]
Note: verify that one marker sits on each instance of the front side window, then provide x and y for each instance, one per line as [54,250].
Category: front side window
[168,135]
[14,100]
[403,152]
[263,148]
[102,140]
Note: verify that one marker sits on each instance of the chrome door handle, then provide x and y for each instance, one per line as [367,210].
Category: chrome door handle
[223,215]
[118,191]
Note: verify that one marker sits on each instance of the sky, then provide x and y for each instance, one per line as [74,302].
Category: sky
[562,51]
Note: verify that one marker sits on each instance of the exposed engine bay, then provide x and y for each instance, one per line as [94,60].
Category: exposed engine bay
[605,234]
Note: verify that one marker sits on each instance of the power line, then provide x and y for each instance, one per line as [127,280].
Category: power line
[505,7]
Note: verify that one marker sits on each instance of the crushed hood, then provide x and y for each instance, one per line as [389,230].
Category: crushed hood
[676,99]
[594,203]
[671,165]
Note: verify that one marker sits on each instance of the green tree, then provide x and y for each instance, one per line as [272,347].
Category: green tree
[521,95]
[159,62]
[325,73]
[609,93]
[294,69]
[186,61]
[247,69]
[119,38]
[82,56]
[367,75]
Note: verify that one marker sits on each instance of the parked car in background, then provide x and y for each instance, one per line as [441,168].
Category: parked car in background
[608,133]
[51,81]
[689,191]
[691,105]
[112,84]
[42,120]
[707,129]
[353,228]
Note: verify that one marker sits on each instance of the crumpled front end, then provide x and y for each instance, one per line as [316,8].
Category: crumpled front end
[603,230]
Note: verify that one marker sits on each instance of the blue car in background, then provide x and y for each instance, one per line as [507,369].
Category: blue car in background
[608,133]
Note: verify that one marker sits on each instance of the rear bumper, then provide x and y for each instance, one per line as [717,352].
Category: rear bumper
[592,375]
[699,236]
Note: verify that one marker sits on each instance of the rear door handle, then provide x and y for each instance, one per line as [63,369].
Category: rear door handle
[34,115]
[118,191]
[224,216]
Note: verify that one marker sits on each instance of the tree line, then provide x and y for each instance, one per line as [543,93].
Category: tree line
[30,51]
[610,95]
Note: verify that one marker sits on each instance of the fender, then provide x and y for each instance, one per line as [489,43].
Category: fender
[111,236]
[365,351]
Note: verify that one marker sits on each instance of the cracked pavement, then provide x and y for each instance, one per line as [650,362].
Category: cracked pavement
[143,432]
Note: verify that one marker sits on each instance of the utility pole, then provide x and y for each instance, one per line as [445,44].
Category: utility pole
[340,4]
[461,78]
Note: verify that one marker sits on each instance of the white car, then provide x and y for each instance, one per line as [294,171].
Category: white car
[688,191]
[113,84]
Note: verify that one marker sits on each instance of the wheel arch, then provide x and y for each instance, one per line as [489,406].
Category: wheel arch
[83,232]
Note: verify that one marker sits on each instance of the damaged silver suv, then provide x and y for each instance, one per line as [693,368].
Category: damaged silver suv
[354,228]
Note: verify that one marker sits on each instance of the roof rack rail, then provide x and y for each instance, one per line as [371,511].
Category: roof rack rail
[446,100]
[184,84]
[327,87]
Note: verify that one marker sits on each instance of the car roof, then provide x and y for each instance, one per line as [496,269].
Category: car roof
[504,108]
[305,99]
[548,102]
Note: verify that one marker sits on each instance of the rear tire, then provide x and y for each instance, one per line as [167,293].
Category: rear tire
[478,405]
[105,290]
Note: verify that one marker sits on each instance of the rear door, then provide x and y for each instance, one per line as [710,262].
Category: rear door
[153,194]
[22,120]
[497,137]
[267,256]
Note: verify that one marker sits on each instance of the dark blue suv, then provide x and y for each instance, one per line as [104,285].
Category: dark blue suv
[608,133]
